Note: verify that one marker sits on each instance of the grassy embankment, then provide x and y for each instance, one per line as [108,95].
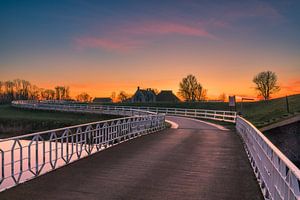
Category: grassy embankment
[14,121]
[264,113]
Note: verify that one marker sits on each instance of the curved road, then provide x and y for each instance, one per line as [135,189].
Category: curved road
[195,161]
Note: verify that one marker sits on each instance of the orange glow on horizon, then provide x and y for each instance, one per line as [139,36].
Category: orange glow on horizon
[106,89]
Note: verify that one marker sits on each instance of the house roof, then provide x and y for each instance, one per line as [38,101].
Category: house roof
[102,99]
[166,96]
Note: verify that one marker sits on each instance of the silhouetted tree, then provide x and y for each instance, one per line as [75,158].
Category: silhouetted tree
[34,92]
[123,96]
[47,94]
[22,89]
[266,84]
[190,89]
[113,96]
[9,90]
[62,92]
[84,97]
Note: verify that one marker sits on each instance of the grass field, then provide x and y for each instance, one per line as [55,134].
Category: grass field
[263,113]
[14,121]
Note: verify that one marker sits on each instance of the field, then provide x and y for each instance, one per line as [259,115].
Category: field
[14,121]
[263,113]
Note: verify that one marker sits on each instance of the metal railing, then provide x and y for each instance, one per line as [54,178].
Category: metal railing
[228,116]
[278,177]
[28,156]
[219,115]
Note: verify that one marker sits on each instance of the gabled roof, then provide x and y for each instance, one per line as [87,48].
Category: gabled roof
[167,96]
[102,99]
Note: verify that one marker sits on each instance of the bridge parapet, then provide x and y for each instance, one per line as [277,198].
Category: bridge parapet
[28,156]
[278,177]
[219,115]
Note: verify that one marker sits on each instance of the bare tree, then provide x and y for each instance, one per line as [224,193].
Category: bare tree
[35,92]
[190,89]
[113,96]
[123,96]
[22,89]
[84,97]
[57,93]
[199,92]
[9,90]
[266,84]
[66,92]
[62,92]
[47,94]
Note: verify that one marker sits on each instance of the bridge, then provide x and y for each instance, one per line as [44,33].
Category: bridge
[192,160]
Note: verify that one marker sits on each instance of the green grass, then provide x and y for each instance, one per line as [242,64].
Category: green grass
[14,121]
[263,113]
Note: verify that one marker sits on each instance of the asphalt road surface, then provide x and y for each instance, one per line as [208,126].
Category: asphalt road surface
[195,161]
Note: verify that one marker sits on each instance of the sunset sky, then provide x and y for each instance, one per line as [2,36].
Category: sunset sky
[112,45]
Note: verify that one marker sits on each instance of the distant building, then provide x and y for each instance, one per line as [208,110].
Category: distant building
[167,96]
[102,100]
[141,95]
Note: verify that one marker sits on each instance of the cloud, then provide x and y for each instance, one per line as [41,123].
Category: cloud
[132,36]
[167,28]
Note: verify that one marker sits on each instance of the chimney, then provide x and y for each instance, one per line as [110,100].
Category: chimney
[138,88]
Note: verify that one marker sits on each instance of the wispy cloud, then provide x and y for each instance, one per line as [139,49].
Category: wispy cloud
[132,36]
[167,28]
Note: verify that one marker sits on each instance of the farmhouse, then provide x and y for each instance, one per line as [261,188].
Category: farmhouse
[142,95]
[148,95]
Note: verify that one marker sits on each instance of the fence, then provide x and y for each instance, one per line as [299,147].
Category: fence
[228,116]
[278,177]
[28,156]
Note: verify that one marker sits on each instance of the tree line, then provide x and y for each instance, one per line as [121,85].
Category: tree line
[190,89]
[19,89]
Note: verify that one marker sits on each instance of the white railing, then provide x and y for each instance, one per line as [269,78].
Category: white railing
[278,177]
[28,156]
[219,115]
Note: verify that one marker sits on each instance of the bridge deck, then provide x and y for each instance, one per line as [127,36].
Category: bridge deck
[196,161]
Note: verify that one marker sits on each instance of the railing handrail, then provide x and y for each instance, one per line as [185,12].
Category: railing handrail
[139,107]
[277,176]
[282,157]
[220,115]
[31,155]
[60,129]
